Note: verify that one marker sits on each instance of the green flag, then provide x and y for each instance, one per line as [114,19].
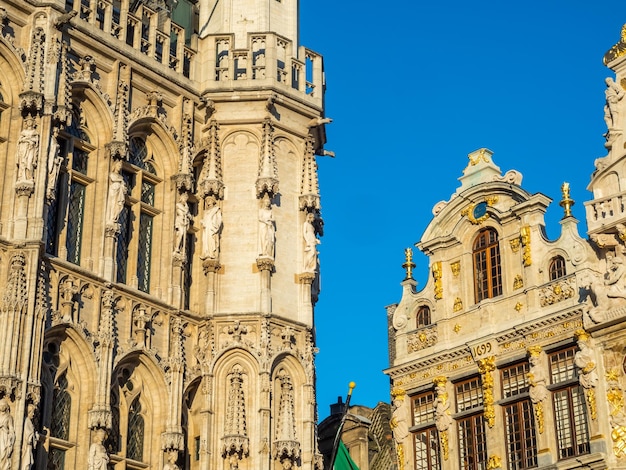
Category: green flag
[343,461]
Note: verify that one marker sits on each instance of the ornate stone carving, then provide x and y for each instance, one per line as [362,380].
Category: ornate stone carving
[31,99]
[443,420]
[14,297]
[210,180]
[424,338]
[310,244]
[538,379]
[584,359]
[267,181]
[309,186]
[557,291]
[286,447]
[235,442]
[400,423]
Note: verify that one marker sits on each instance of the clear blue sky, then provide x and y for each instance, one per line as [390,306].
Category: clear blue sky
[412,90]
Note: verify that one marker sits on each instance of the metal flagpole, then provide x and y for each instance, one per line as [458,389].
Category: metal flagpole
[344,413]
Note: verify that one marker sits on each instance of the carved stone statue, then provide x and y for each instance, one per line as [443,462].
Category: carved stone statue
[267,230]
[538,378]
[98,457]
[55,160]
[27,149]
[212,225]
[616,277]
[7,435]
[310,244]
[117,193]
[584,359]
[181,224]
[443,420]
[172,457]
[31,437]
[399,418]
[614,94]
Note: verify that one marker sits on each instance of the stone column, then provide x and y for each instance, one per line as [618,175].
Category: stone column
[211,267]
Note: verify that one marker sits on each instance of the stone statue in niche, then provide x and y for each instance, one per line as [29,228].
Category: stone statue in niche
[7,435]
[181,224]
[117,193]
[98,457]
[212,226]
[614,94]
[267,230]
[55,160]
[27,149]
[172,457]
[30,439]
[310,244]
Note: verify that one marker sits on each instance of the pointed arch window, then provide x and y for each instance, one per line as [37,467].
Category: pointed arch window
[66,210]
[136,428]
[61,409]
[137,218]
[557,268]
[487,268]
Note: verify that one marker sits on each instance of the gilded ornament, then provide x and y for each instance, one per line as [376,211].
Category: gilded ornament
[408,263]
[518,306]
[515,245]
[618,50]
[458,305]
[486,367]
[525,236]
[456,268]
[518,282]
[457,328]
[566,201]
[476,157]
[494,462]
[437,274]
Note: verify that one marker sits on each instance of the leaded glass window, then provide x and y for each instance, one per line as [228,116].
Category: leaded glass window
[66,211]
[123,241]
[144,252]
[56,459]
[134,443]
[61,408]
[135,242]
[75,213]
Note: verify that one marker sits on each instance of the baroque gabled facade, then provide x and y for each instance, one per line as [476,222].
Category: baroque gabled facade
[513,355]
[159,222]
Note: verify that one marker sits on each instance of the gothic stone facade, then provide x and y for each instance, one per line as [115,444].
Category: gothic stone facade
[159,216]
[513,355]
